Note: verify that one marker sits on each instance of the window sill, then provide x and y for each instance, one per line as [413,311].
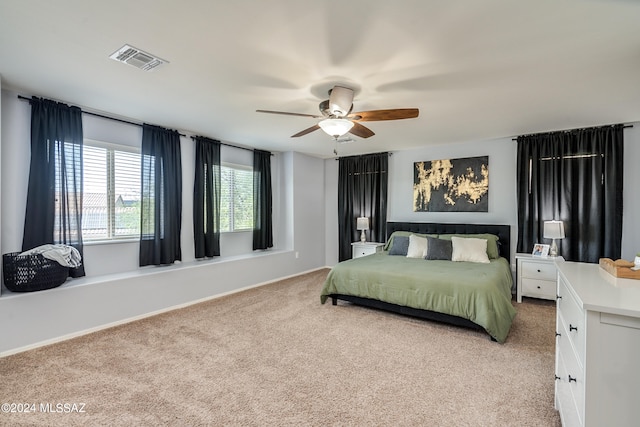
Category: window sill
[110,242]
[145,271]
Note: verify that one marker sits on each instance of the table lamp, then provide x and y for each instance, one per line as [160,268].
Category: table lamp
[553,230]
[362,223]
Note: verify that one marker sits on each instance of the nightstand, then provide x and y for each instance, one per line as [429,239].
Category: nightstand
[536,276]
[360,249]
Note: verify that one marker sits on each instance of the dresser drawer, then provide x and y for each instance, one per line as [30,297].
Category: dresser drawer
[598,323]
[572,318]
[539,288]
[364,249]
[572,375]
[565,403]
[538,270]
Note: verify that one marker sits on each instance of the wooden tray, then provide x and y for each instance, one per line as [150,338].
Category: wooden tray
[620,268]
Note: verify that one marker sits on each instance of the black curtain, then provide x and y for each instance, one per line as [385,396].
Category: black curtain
[262,211]
[576,177]
[54,195]
[206,198]
[362,191]
[161,198]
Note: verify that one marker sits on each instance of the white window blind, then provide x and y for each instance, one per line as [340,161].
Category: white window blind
[236,199]
[111,205]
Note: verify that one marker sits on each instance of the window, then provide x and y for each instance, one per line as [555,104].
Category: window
[236,199]
[111,205]
[575,177]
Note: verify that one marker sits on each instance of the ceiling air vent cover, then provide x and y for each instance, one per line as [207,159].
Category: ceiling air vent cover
[138,58]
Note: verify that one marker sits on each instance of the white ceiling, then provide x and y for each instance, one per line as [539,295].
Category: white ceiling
[476,69]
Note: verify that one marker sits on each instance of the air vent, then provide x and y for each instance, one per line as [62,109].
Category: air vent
[138,58]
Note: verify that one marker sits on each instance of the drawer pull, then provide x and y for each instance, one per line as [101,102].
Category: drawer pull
[572,328]
[558,297]
[538,286]
[558,334]
[572,379]
[558,378]
[538,270]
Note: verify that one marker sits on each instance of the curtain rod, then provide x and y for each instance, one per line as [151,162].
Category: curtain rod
[360,155]
[570,130]
[24,98]
[230,145]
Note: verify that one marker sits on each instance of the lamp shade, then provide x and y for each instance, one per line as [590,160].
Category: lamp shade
[362,223]
[336,127]
[553,230]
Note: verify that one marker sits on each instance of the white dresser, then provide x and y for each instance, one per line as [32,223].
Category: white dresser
[536,276]
[597,347]
[359,249]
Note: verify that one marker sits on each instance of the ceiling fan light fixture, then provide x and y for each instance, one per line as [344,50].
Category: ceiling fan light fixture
[335,127]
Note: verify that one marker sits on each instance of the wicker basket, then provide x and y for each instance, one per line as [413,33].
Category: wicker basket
[28,273]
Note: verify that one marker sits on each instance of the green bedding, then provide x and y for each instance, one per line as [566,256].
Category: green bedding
[474,291]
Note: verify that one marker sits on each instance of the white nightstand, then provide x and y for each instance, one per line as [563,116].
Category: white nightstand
[359,249]
[536,276]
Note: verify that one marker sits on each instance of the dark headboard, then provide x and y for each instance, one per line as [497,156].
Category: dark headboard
[502,231]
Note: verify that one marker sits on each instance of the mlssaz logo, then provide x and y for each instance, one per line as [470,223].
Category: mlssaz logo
[64,408]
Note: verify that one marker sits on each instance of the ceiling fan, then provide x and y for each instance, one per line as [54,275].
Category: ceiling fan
[337,118]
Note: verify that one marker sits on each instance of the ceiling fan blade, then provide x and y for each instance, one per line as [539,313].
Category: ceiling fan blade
[340,101]
[379,115]
[361,131]
[306,131]
[288,114]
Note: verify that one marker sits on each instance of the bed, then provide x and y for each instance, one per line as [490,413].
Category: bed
[470,294]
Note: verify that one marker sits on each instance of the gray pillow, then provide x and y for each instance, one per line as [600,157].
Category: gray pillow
[399,246]
[439,249]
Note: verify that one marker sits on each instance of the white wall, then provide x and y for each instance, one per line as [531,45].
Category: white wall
[331,210]
[309,241]
[502,189]
[115,289]
[116,257]
[631,193]
[502,195]
[15,161]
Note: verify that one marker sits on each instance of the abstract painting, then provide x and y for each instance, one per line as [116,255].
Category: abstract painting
[453,185]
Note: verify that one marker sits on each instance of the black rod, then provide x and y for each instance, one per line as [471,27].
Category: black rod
[138,124]
[24,98]
[228,145]
[99,115]
[571,130]
[359,155]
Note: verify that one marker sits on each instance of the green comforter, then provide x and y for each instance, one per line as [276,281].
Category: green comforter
[474,291]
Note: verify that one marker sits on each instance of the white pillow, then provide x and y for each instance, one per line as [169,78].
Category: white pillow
[417,247]
[469,249]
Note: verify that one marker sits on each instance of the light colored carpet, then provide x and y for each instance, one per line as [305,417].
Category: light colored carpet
[275,356]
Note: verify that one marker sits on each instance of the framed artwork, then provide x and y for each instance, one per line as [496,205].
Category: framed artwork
[540,250]
[451,185]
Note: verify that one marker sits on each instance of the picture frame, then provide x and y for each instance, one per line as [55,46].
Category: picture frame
[451,185]
[540,250]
